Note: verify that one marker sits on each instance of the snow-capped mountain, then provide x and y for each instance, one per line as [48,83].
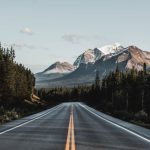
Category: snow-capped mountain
[92,55]
[127,58]
[104,59]
[89,56]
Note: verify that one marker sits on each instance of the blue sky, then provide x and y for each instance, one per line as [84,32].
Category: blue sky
[44,31]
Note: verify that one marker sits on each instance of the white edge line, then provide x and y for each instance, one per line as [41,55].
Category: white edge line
[115,124]
[22,124]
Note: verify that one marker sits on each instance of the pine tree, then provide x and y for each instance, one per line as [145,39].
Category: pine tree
[145,69]
[97,79]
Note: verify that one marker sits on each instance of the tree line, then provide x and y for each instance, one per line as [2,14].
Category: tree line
[16,81]
[122,94]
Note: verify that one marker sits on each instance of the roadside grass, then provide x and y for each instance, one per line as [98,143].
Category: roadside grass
[8,115]
[14,112]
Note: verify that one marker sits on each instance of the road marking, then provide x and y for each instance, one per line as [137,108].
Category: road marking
[68,136]
[117,125]
[73,137]
[22,124]
[70,143]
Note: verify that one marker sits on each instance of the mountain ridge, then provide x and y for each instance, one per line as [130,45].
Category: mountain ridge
[84,70]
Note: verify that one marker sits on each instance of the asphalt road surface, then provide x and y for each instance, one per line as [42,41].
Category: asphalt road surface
[69,126]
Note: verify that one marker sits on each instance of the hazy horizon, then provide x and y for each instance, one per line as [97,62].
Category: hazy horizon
[43,32]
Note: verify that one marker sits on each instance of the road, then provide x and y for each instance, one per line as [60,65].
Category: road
[69,126]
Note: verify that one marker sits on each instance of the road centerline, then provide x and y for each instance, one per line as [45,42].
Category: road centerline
[70,142]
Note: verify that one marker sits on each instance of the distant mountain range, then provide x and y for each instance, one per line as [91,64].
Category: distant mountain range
[82,71]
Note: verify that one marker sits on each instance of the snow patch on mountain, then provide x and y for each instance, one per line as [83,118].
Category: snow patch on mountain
[108,49]
[57,70]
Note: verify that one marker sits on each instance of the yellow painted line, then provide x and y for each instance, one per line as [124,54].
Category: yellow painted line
[73,138]
[68,136]
[70,143]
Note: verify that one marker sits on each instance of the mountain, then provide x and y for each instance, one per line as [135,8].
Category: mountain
[92,55]
[55,70]
[127,58]
[138,57]
[105,60]
[89,56]
[59,67]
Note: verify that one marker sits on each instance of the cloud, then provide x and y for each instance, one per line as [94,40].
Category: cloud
[27,30]
[73,38]
[26,46]
[76,38]
[20,46]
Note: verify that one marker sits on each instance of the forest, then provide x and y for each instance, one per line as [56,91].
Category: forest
[125,95]
[16,86]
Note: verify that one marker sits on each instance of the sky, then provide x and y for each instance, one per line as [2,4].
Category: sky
[45,31]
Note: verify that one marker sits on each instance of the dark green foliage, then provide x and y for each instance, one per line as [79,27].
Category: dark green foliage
[97,79]
[16,82]
[144,68]
[16,85]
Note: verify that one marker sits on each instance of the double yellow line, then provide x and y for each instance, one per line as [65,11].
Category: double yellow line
[70,143]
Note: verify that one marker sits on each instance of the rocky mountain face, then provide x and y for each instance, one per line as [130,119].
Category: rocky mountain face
[138,57]
[104,59]
[59,67]
[92,55]
[55,70]
[89,56]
